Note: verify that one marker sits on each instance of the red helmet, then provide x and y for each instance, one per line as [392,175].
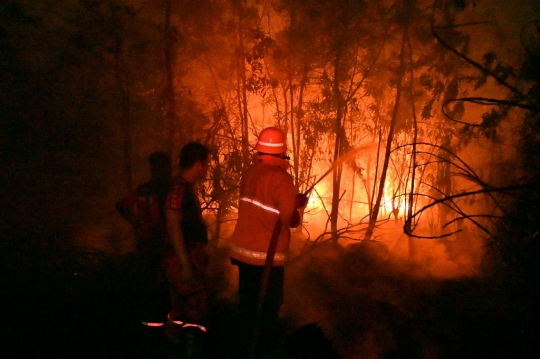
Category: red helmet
[272,141]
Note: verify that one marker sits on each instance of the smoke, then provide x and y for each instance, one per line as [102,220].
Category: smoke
[365,295]
[113,236]
[346,290]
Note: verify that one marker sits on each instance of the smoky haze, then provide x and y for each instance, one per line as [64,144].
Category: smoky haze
[422,245]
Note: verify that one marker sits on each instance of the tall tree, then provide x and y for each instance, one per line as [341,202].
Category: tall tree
[390,137]
[123,82]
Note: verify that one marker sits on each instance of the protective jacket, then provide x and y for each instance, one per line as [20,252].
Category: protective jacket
[267,192]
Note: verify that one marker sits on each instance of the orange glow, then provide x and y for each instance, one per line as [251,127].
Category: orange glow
[317,197]
[393,201]
[355,201]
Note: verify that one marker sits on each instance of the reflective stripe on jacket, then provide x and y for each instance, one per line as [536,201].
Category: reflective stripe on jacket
[267,192]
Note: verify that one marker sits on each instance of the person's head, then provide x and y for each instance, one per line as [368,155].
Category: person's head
[194,157]
[160,166]
[272,141]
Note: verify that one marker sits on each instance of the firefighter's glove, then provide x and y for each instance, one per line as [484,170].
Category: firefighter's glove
[295,220]
[301,200]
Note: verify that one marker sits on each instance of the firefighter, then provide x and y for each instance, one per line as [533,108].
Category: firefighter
[144,209]
[186,257]
[268,197]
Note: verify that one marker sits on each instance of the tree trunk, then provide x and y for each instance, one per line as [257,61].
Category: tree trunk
[174,134]
[410,199]
[338,130]
[241,87]
[123,89]
[295,128]
[445,184]
[375,210]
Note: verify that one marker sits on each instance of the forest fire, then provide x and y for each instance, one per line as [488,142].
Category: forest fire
[412,126]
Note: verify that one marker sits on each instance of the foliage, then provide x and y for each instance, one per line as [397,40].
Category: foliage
[326,72]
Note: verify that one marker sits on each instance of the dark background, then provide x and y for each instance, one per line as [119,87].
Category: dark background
[62,167]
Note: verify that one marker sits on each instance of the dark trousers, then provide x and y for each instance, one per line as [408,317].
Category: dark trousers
[249,291]
[150,288]
[188,303]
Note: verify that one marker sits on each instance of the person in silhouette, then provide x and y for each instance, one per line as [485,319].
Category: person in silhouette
[144,209]
[186,257]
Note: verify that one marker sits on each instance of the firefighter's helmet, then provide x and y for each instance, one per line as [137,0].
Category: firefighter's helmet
[272,141]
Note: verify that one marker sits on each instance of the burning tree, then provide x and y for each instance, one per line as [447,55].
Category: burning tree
[337,76]
[411,117]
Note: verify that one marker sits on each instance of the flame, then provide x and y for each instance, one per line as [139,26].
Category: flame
[317,198]
[393,201]
[354,204]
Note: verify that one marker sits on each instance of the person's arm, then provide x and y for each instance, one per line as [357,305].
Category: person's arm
[173,219]
[286,192]
[301,202]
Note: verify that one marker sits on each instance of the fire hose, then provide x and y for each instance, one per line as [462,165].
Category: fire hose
[344,158]
[272,250]
[264,286]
